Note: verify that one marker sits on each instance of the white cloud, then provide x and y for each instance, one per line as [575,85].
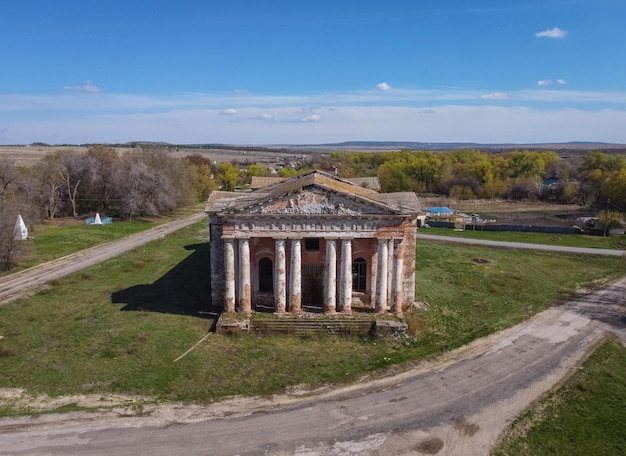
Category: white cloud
[446,123]
[547,82]
[551,33]
[495,96]
[384,87]
[88,87]
[311,118]
[542,114]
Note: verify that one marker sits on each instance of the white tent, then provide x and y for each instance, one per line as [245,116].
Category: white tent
[20,231]
[97,220]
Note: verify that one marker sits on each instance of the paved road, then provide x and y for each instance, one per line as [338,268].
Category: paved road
[472,393]
[15,285]
[521,245]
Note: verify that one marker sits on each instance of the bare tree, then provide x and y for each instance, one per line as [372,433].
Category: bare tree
[106,163]
[134,182]
[47,178]
[75,169]
[8,177]
[10,247]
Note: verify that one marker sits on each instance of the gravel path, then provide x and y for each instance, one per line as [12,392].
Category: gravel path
[15,285]
[521,245]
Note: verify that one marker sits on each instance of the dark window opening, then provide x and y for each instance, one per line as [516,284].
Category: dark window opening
[266,275]
[312,244]
[359,274]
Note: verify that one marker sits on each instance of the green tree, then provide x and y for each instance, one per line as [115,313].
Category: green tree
[604,162]
[227,176]
[614,188]
[256,169]
[527,164]
[287,171]
[202,181]
[392,178]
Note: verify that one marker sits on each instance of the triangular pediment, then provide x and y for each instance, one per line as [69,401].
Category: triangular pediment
[317,201]
[313,193]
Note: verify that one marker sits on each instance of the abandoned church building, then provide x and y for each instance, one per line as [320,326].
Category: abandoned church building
[312,243]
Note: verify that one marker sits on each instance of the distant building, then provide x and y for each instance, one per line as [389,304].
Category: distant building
[551,182]
[439,212]
[312,242]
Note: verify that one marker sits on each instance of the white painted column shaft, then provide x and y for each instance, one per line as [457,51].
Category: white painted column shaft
[229,275]
[397,293]
[280,286]
[330,297]
[244,276]
[295,284]
[346,276]
[390,264]
[381,276]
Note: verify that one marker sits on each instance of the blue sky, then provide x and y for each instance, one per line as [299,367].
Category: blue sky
[295,72]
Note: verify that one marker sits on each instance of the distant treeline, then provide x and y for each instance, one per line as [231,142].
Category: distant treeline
[144,181]
[148,180]
[590,180]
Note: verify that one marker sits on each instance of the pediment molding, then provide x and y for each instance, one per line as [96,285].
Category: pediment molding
[317,202]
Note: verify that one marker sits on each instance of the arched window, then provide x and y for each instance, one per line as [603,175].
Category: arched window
[266,275]
[359,274]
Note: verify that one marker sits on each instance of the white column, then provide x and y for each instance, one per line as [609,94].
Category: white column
[244,276]
[345,302]
[229,275]
[397,285]
[330,297]
[381,277]
[280,274]
[373,272]
[295,283]
[390,264]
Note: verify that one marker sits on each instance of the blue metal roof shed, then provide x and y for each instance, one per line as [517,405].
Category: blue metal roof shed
[440,211]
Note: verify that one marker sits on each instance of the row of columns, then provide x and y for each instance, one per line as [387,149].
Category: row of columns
[388,276]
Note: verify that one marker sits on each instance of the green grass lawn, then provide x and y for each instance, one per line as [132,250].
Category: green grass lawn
[568,240]
[584,417]
[62,237]
[117,327]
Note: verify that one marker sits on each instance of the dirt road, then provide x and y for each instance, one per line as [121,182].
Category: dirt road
[522,245]
[456,405]
[16,285]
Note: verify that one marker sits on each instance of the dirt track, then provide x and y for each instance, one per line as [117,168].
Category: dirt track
[15,285]
[456,405]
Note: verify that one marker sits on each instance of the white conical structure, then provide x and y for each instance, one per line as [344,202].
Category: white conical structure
[20,231]
[97,220]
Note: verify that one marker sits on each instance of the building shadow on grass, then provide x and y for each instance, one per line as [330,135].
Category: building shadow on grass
[184,290]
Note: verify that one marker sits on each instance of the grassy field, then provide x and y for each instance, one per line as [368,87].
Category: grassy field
[60,237]
[569,240]
[117,327]
[584,417]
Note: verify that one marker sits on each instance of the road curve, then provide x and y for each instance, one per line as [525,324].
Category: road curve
[462,402]
[521,245]
[15,285]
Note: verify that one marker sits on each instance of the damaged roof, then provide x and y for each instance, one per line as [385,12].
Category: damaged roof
[259,182]
[401,202]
